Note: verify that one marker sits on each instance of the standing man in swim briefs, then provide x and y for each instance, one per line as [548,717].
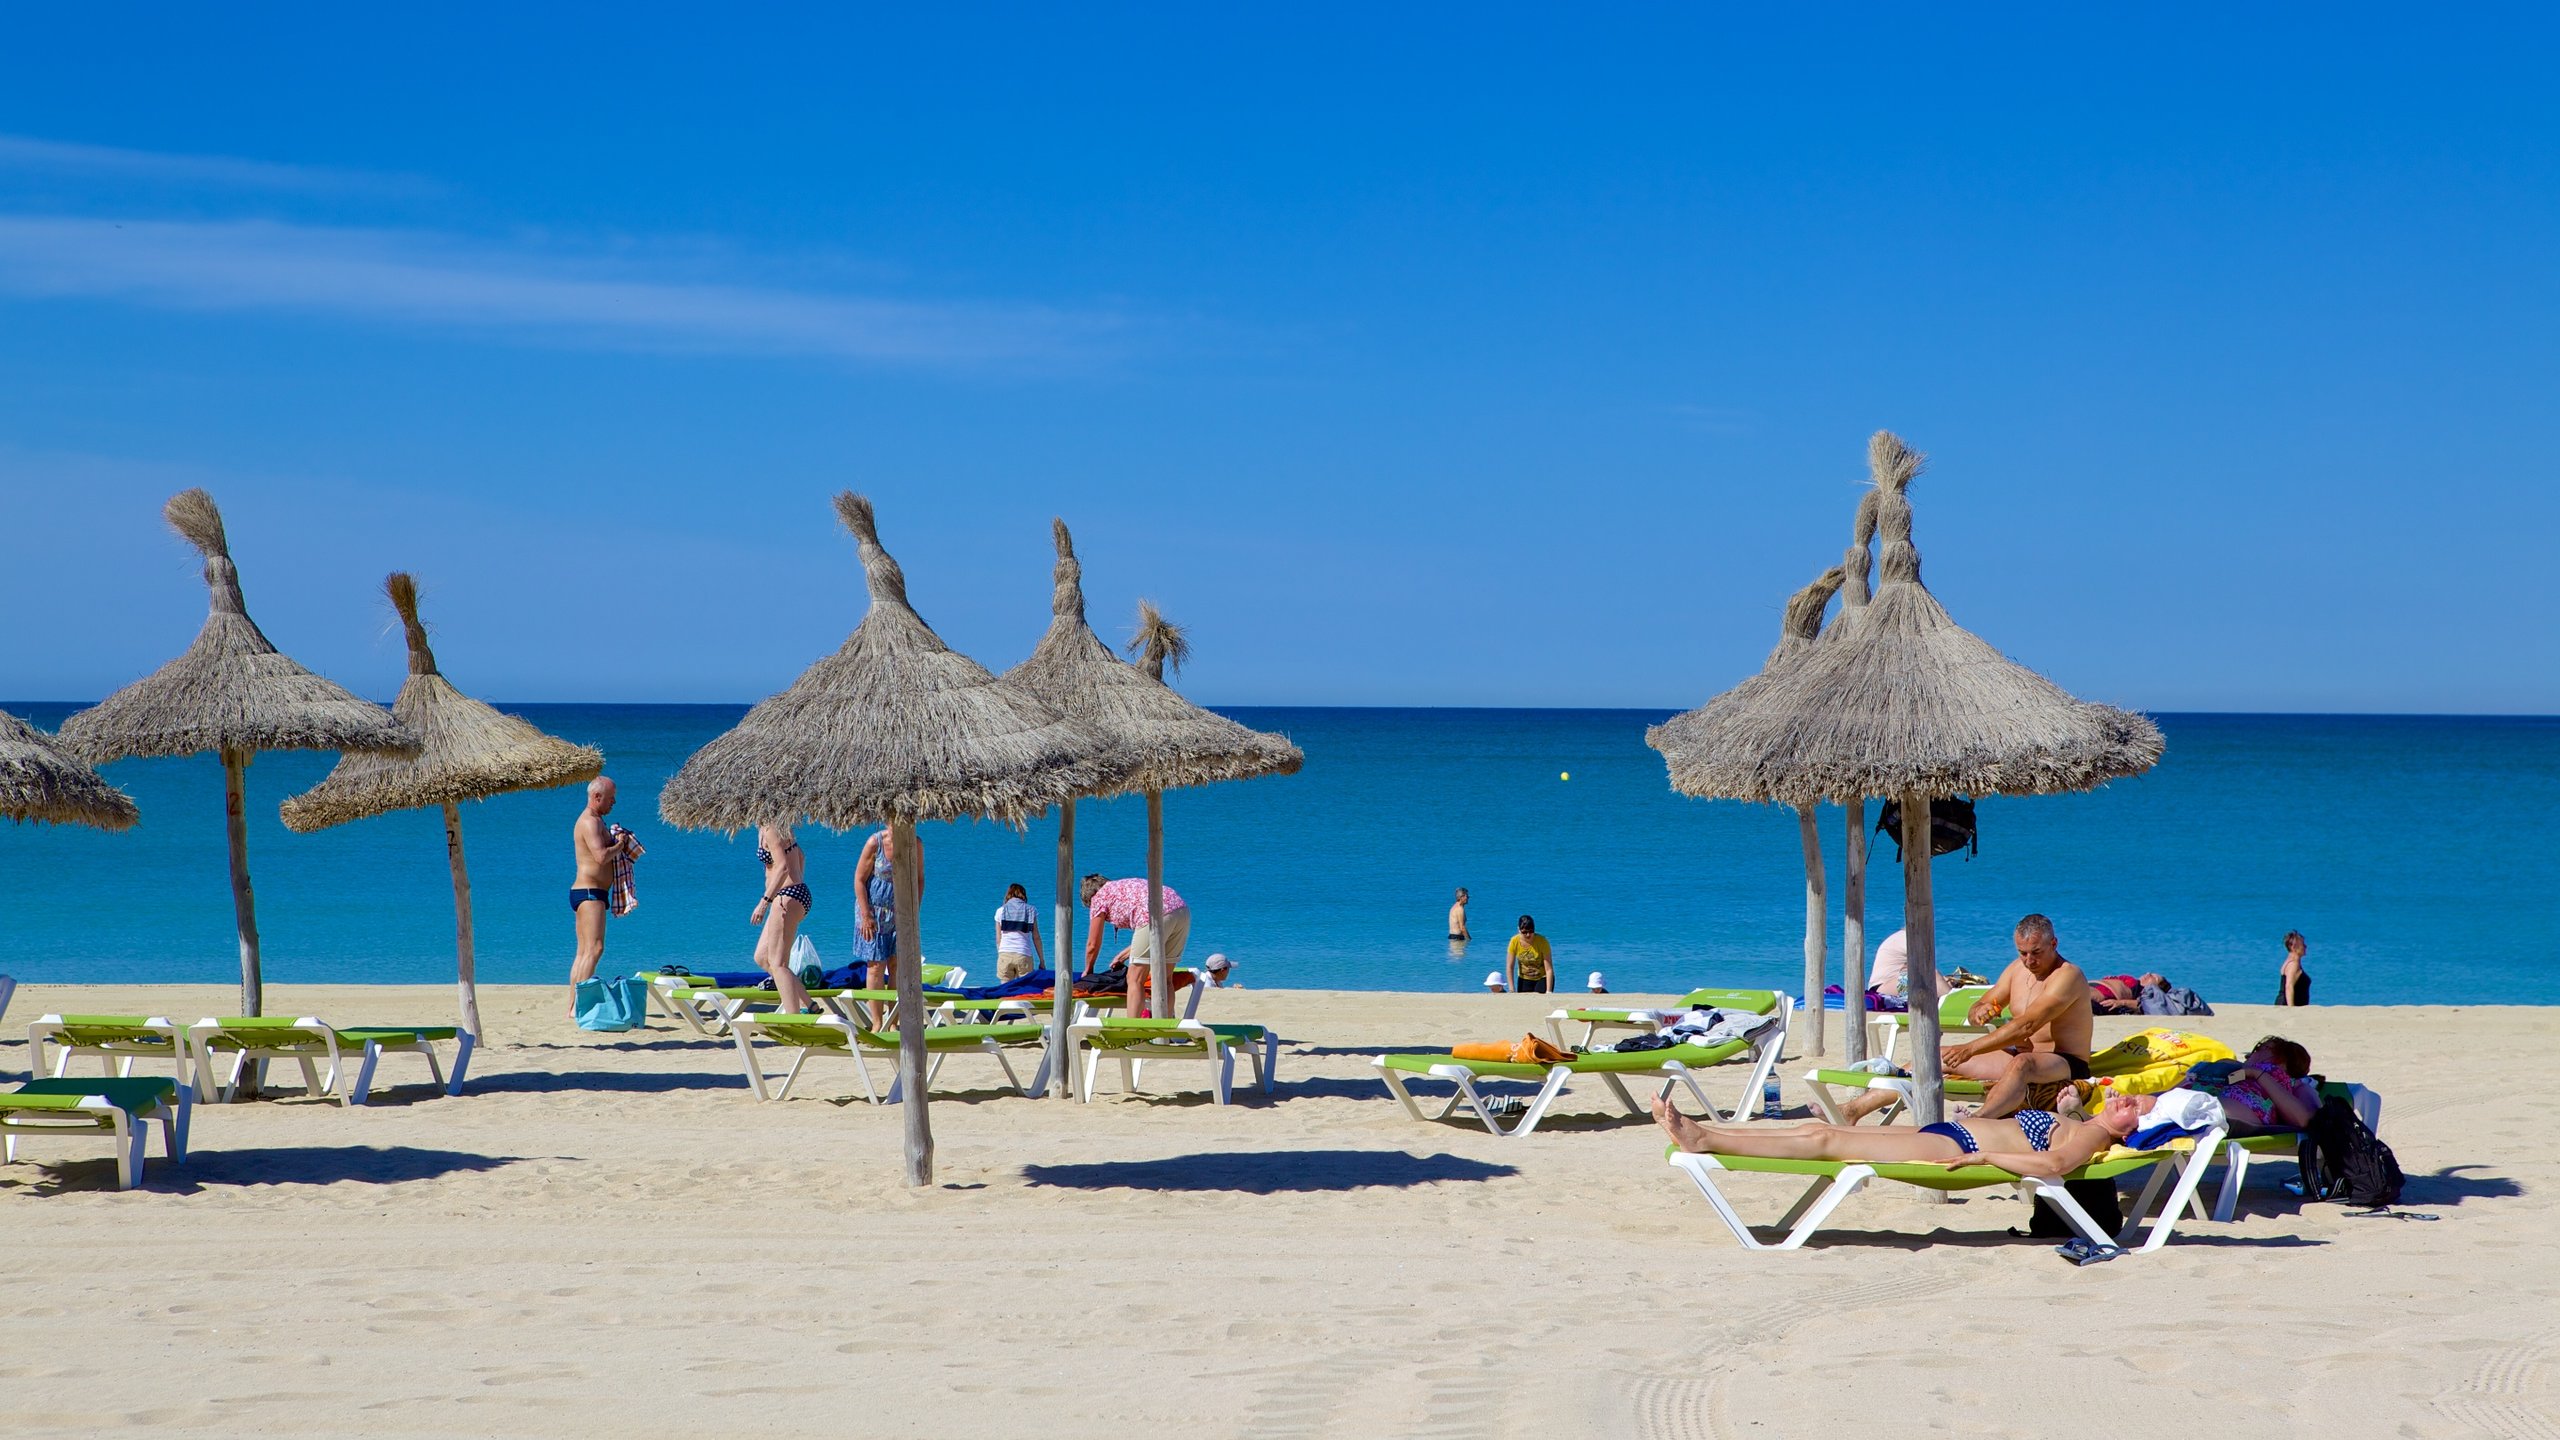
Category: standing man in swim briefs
[592,852]
[1458,936]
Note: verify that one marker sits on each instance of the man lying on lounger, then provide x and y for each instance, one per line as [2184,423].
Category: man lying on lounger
[2043,1047]
[2038,1143]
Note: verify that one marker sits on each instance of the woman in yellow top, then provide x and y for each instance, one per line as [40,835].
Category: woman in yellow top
[1531,960]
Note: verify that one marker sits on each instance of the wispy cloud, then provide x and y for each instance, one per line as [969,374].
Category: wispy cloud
[419,278]
[26,153]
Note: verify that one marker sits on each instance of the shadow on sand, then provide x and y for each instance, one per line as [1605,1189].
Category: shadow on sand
[628,1082]
[1269,1172]
[265,1165]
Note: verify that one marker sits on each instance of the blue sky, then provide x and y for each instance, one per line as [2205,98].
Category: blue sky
[1457,355]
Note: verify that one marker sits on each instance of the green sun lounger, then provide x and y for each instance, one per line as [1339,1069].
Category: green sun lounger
[706,1008]
[1677,1065]
[121,1109]
[1885,1028]
[116,1040]
[1820,1083]
[810,1035]
[1833,1181]
[308,1041]
[1594,1019]
[1139,1042]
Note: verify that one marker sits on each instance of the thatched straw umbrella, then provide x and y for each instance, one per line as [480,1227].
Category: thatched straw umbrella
[1153,738]
[469,752]
[1798,625]
[233,694]
[894,727]
[39,780]
[1898,700]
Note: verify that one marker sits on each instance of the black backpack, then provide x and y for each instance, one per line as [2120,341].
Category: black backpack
[1951,827]
[2343,1161]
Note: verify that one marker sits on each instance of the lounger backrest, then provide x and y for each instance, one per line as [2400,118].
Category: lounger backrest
[1956,1006]
[1758,1002]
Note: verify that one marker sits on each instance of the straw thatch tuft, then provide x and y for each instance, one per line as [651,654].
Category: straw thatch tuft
[1157,739]
[895,725]
[1897,698]
[1159,646]
[230,690]
[469,750]
[39,780]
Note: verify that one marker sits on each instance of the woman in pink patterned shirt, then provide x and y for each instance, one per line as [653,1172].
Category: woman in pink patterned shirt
[1123,904]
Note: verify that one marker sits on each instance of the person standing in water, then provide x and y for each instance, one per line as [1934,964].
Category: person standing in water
[784,905]
[2293,983]
[875,914]
[1458,936]
[594,850]
[1530,961]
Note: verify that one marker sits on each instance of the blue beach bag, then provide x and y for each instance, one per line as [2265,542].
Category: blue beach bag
[615,1004]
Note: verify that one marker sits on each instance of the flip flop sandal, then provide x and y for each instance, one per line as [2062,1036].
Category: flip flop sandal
[2081,1252]
[2385,1212]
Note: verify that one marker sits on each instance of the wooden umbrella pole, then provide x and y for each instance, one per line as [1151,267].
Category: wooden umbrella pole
[1920,946]
[910,962]
[1061,989]
[1816,915]
[463,974]
[1160,969]
[1853,934]
[244,903]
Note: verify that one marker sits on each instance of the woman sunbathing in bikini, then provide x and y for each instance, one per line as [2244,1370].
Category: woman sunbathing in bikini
[2031,1142]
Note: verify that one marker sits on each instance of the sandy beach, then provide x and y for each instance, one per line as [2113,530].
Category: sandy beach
[609,1235]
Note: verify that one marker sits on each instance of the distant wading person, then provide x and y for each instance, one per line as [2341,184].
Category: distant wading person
[2293,983]
[784,905]
[593,853]
[875,914]
[1458,935]
[1529,962]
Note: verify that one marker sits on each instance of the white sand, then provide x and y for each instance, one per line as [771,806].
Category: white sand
[609,1235]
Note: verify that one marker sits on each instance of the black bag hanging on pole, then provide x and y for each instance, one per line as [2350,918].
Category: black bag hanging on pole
[1951,827]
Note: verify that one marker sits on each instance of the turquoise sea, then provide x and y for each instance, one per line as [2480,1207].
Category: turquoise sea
[2407,848]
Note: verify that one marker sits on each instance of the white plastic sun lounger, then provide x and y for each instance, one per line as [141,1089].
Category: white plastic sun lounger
[1834,1181]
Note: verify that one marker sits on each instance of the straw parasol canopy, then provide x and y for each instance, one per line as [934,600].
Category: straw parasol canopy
[1158,740]
[895,726]
[39,780]
[1798,624]
[232,693]
[1898,700]
[231,690]
[1164,741]
[1904,699]
[469,751]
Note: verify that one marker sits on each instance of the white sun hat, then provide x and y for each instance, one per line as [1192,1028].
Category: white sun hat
[1493,981]
[1596,982]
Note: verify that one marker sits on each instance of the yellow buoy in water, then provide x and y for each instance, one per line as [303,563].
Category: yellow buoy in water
[1564,774]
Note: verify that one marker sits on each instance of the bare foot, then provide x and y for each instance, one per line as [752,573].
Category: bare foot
[1686,1133]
